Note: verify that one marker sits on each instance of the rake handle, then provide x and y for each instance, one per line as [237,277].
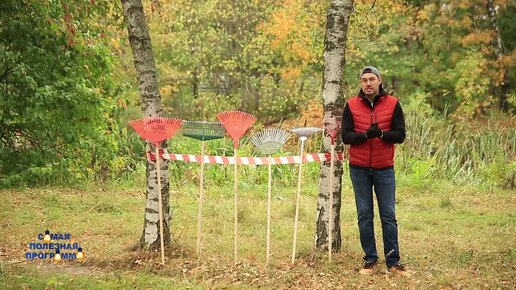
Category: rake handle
[298,196]
[160,205]
[269,201]
[330,207]
[235,189]
[199,215]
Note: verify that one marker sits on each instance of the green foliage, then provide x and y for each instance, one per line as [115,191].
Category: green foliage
[62,117]
[501,173]
[58,100]
[463,153]
[507,25]
[214,76]
[446,50]
[223,55]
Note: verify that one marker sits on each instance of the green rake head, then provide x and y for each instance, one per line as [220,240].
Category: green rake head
[203,130]
[270,140]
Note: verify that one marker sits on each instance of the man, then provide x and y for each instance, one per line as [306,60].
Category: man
[372,123]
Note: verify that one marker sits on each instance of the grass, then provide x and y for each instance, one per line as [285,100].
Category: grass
[450,237]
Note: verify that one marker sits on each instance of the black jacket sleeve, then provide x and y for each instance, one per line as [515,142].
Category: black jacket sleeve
[348,129]
[397,132]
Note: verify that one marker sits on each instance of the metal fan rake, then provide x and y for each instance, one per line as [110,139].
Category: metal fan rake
[268,142]
[157,130]
[236,124]
[303,133]
[202,131]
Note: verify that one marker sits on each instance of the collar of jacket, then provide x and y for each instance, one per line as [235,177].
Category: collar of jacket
[382,93]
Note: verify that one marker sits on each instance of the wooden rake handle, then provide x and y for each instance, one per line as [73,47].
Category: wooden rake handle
[160,205]
[298,197]
[235,189]
[330,205]
[269,201]
[201,196]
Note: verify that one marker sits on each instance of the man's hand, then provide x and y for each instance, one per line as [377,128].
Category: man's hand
[373,131]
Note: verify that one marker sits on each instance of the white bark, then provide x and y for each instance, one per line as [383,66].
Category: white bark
[491,10]
[148,87]
[339,13]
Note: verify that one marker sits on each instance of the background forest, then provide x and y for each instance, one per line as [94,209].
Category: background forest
[69,161]
[68,84]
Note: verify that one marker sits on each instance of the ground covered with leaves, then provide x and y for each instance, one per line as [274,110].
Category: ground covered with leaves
[449,241]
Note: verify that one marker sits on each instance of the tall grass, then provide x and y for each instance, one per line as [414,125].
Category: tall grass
[481,153]
[436,148]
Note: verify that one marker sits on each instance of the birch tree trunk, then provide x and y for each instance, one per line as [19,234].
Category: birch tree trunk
[337,22]
[498,48]
[148,87]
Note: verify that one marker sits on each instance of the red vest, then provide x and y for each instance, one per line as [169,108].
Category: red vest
[373,153]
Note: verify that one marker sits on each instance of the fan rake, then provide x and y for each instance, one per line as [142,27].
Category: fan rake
[203,131]
[157,130]
[268,142]
[303,134]
[236,124]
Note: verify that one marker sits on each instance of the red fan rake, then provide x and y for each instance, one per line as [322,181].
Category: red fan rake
[157,130]
[236,124]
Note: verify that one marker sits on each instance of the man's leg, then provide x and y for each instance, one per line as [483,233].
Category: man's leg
[362,185]
[385,189]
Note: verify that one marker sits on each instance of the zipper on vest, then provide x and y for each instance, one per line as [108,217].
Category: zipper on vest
[371,140]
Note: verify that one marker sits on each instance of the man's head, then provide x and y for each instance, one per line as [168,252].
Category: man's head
[370,81]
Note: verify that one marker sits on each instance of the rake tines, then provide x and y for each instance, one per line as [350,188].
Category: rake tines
[156,130]
[305,132]
[236,124]
[269,141]
[203,130]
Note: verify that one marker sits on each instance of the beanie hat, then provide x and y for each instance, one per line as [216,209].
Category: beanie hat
[369,69]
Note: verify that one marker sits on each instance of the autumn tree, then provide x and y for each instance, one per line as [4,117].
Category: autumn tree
[209,53]
[451,53]
[148,87]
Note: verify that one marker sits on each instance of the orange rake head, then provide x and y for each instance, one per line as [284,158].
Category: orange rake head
[236,124]
[156,129]
[332,130]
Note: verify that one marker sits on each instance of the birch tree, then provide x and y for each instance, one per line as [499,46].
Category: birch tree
[337,22]
[148,87]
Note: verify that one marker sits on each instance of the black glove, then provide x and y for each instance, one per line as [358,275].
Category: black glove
[373,131]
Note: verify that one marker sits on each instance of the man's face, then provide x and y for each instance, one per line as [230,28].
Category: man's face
[370,84]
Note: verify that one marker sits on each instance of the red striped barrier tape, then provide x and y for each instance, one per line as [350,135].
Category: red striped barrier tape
[315,157]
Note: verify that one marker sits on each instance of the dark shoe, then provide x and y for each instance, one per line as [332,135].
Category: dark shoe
[399,270]
[368,268]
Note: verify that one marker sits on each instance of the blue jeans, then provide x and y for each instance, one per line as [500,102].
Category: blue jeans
[384,184]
